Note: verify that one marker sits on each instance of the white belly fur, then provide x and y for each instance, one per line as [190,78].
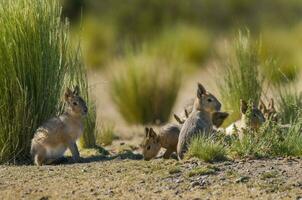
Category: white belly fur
[230,130]
[55,152]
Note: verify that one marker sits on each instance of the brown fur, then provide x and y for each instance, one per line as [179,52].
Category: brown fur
[200,119]
[57,134]
[167,138]
[257,119]
[217,118]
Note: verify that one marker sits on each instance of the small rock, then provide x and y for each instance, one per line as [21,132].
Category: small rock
[195,184]
[242,179]
[178,181]
[177,192]
[110,192]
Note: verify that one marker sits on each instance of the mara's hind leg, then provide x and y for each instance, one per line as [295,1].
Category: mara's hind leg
[39,159]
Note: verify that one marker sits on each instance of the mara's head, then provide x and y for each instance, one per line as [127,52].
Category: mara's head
[218,118]
[269,112]
[151,144]
[206,101]
[75,103]
[251,114]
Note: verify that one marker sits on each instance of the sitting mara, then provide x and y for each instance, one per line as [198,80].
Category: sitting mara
[253,121]
[199,121]
[57,134]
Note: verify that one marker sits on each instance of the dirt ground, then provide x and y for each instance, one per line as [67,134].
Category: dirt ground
[124,175]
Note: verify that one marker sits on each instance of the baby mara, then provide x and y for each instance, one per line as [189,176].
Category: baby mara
[254,121]
[52,139]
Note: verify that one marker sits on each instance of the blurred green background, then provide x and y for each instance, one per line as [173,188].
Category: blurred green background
[191,28]
[130,37]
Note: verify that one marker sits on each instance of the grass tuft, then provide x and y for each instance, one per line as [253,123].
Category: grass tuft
[241,75]
[270,141]
[289,102]
[145,88]
[207,149]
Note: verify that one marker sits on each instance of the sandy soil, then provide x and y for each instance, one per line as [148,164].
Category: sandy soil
[124,178]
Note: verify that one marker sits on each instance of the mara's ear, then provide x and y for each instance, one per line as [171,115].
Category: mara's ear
[68,93]
[186,113]
[218,118]
[243,106]
[201,90]
[146,131]
[262,107]
[76,90]
[152,133]
[178,119]
[271,104]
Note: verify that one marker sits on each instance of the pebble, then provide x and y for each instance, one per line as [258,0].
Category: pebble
[242,179]
[195,184]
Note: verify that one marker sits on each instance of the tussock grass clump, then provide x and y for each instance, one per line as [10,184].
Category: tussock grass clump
[145,88]
[290,103]
[241,75]
[37,62]
[269,141]
[207,149]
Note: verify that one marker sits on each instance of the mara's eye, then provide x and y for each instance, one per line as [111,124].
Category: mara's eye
[148,147]
[210,100]
[75,103]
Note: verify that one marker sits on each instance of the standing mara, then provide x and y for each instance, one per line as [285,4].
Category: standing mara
[52,139]
[200,120]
